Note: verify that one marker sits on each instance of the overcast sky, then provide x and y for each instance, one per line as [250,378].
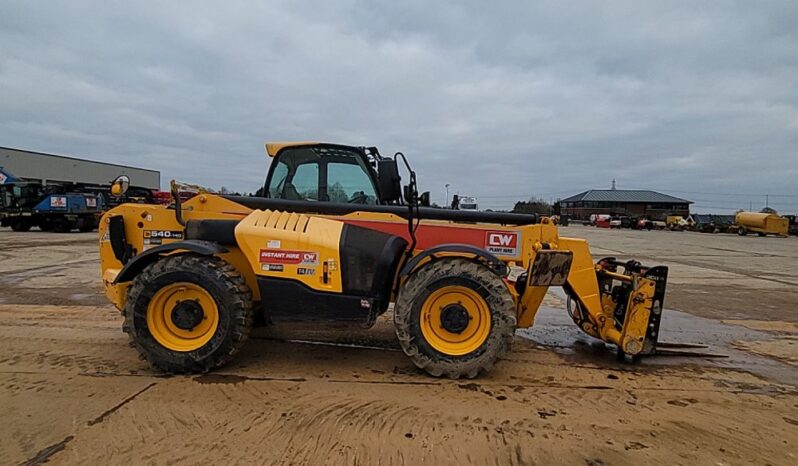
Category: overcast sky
[502,100]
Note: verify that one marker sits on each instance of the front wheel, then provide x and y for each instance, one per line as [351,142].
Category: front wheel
[454,317]
[187,314]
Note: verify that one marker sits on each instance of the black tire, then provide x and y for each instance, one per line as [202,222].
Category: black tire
[230,292]
[742,231]
[460,272]
[20,224]
[62,225]
[86,224]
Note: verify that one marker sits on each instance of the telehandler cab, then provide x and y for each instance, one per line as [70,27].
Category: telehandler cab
[334,238]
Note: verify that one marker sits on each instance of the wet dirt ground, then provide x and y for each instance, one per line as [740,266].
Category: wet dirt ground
[73,392]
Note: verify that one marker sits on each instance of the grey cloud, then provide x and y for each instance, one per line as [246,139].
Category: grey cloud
[504,100]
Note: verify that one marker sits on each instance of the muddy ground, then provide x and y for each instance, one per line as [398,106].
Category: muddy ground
[72,391]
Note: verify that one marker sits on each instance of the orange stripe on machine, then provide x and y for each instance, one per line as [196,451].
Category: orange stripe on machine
[499,242]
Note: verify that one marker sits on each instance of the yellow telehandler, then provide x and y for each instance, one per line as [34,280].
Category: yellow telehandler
[335,237]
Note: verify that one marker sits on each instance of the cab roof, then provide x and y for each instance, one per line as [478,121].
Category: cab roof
[272,148]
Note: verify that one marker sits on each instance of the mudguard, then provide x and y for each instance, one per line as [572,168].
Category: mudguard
[494,263]
[138,263]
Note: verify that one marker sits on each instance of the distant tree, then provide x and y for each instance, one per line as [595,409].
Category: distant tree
[533,206]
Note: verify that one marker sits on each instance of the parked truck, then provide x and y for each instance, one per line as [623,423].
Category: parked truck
[25,204]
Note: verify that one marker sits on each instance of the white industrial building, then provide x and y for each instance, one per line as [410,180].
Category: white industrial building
[57,169]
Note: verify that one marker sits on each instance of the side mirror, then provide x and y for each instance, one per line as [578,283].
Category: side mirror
[119,185]
[389,180]
[423,200]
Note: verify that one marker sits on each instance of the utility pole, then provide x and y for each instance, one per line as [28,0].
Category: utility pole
[447,195]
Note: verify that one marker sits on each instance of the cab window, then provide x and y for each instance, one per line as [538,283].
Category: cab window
[322,173]
[278,179]
[349,183]
[305,182]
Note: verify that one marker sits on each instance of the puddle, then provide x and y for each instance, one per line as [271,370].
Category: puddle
[553,328]
[81,296]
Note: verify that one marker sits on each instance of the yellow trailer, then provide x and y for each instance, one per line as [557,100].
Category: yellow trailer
[761,223]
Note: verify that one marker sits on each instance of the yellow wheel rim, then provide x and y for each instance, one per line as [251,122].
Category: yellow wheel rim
[182,316]
[443,320]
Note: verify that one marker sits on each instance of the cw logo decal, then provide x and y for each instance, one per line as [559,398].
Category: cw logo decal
[504,243]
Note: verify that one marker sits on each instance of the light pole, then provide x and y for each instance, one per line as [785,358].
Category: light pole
[446,204]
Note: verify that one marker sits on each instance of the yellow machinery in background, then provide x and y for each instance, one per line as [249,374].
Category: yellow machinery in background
[334,237]
[761,223]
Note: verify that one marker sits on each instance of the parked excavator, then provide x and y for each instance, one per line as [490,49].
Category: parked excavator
[335,237]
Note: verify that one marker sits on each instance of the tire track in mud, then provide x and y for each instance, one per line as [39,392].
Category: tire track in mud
[7,246]
[55,362]
[47,277]
[44,455]
[313,425]
[114,409]
[325,421]
[62,339]
[34,271]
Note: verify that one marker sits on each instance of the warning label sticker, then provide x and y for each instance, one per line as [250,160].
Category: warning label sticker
[278,256]
[58,201]
[504,243]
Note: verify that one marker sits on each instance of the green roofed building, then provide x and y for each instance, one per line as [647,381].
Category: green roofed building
[632,203]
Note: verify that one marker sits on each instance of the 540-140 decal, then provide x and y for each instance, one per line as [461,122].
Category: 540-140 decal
[157,236]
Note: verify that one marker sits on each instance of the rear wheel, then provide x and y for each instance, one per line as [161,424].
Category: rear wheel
[188,314]
[20,224]
[45,225]
[62,225]
[742,231]
[86,224]
[454,317]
